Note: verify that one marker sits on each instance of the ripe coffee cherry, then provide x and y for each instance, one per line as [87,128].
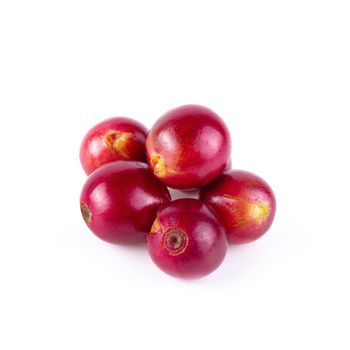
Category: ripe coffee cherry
[244,203]
[188,147]
[186,239]
[116,138]
[119,201]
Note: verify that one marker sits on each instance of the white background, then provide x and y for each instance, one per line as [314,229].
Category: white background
[276,71]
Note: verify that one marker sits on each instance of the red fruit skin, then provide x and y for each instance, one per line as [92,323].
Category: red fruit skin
[195,191]
[117,138]
[186,239]
[188,147]
[244,202]
[119,201]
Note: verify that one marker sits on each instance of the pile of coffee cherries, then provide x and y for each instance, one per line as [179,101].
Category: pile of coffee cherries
[125,199]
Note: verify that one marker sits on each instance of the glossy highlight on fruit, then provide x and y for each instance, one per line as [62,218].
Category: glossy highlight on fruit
[188,147]
[119,201]
[244,202]
[186,240]
[117,138]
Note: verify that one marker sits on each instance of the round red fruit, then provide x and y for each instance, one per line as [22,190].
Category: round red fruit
[244,202]
[119,201]
[117,138]
[188,147]
[186,240]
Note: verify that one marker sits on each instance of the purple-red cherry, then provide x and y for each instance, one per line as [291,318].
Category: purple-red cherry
[188,147]
[117,138]
[186,240]
[119,201]
[244,202]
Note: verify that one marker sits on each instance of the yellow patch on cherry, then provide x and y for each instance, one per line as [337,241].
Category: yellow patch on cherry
[156,227]
[247,210]
[259,211]
[117,140]
[159,166]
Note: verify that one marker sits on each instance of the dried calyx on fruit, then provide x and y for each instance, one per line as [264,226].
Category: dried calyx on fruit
[186,239]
